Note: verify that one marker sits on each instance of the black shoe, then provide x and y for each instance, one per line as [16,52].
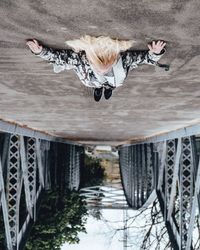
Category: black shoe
[107,93]
[98,94]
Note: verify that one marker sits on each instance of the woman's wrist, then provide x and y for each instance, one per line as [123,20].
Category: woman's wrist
[156,53]
[161,52]
[38,52]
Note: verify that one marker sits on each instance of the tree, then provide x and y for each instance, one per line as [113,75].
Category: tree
[92,173]
[2,231]
[60,219]
[152,233]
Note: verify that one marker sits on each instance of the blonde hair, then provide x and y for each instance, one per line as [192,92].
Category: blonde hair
[101,50]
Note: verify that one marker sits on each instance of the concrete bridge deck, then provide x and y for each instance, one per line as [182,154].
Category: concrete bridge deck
[150,101]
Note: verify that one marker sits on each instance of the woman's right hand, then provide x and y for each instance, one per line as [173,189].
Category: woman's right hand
[156,47]
[34,46]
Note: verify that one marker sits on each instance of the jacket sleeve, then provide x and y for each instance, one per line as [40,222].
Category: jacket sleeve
[61,59]
[133,58]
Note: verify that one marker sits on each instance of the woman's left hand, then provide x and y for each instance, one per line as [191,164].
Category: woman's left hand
[34,46]
[156,47]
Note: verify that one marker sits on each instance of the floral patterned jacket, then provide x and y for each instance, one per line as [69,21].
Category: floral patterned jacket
[66,59]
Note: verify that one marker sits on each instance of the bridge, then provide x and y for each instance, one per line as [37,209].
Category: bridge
[167,169]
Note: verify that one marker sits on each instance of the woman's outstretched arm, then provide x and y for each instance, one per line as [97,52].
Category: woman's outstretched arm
[133,58]
[62,57]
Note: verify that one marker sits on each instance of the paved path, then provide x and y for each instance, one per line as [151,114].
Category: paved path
[151,100]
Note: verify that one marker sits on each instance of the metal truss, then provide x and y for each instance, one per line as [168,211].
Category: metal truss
[18,182]
[165,166]
[138,179]
[74,167]
[105,197]
[24,173]
[178,191]
[174,173]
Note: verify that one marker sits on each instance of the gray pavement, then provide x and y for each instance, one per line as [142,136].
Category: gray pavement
[151,100]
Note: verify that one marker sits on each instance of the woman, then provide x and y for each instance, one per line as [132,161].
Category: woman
[100,62]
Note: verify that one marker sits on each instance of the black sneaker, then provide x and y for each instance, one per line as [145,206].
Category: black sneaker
[98,94]
[107,93]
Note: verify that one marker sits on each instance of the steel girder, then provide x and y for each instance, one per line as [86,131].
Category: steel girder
[74,167]
[105,197]
[172,169]
[25,165]
[24,173]
[137,173]
[178,192]
[18,178]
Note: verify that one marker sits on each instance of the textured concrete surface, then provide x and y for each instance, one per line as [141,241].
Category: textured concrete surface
[150,101]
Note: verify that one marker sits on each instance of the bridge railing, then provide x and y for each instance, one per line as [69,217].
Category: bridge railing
[137,163]
[171,168]
[25,166]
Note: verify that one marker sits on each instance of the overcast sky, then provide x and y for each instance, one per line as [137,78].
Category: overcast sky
[99,234]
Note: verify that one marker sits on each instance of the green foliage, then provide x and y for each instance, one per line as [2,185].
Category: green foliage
[2,231]
[60,220]
[96,213]
[92,173]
